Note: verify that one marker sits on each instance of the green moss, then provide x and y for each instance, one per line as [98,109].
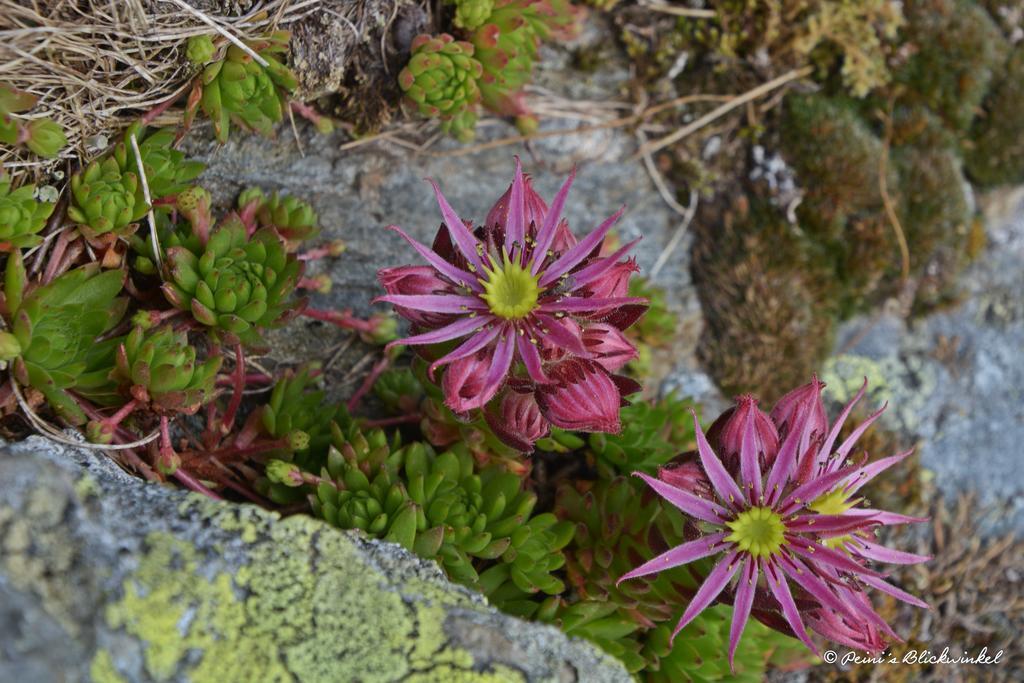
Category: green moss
[283,617]
[995,151]
[958,50]
[836,157]
[768,300]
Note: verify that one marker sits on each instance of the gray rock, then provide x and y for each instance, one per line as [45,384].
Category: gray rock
[955,379]
[104,576]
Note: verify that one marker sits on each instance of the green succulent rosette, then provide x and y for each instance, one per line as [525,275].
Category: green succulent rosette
[55,331]
[471,14]
[159,368]
[441,79]
[106,198]
[438,507]
[22,216]
[43,136]
[399,390]
[653,432]
[239,89]
[235,285]
[200,49]
[168,171]
[293,218]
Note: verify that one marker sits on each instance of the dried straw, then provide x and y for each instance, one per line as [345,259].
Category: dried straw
[97,64]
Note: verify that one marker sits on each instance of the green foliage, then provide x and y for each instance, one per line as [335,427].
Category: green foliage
[958,51]
[293,218]
[107,198]
[399,390]
[168,172]
[159,368]
[441,79]
[437,506]
[471,14]
[56,327]
[238,89]
[43,136]
[200,49]
[294,410]
[995,152]
[652,434]
[22,216]
[234,284]
[655,329]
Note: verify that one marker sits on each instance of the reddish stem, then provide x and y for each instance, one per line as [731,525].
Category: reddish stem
[375,372]
[59,247]
[250,378]
[343,319]
[391,421]
[190,482]
[236,398]
[114,420]
[151,115]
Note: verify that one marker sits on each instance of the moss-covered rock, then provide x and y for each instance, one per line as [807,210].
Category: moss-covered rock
[958,50]
[995,150]
[769,301]
[107,578]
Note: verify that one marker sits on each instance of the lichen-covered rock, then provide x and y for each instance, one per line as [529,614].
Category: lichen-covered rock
[105,578]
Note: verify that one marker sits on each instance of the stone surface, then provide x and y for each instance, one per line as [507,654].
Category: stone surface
[105,577]
[955,379]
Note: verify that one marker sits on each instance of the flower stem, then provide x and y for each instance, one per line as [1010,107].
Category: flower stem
[236,398]
[375,372]
[343,319]
[190,482]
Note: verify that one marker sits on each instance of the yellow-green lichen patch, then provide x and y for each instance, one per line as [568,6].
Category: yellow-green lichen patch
[304,606]
[103,670]
[36,545]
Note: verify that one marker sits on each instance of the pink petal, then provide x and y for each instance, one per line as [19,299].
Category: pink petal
[457,275]
[556,333]
[599,267]
[608,346]
[816,554]
[500,362]
[892,590]
[546,234]
[680,555]
[459,328]
[464,384]
[531,358]
[723,484]
[745,589]
[580,251]
[461,236]
[812,489]
[467,348]
[868,472]
[780,589]
[890,518]
[826,448]
[851,440]
[434,303]
[687,502]
[581,396]
[709,590]
[517,422]
[750,469]
[828,524]
[515,230]
[879,553]
[583,304]
[818,589]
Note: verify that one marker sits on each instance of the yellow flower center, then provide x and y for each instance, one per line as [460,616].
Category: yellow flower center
[510,290]
[759,531]
[833,503]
